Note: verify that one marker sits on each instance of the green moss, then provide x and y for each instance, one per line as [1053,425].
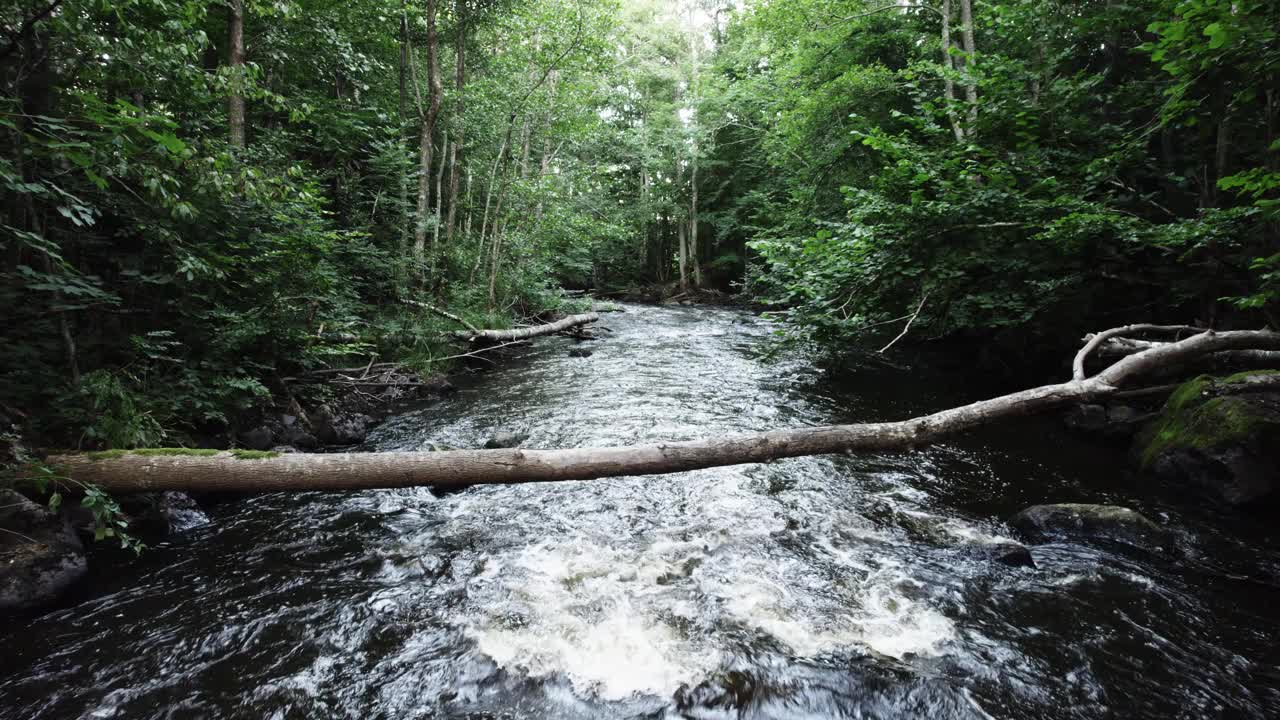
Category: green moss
[1192,418]
[1241,376]
[165,452]
[152,452]
[254,454]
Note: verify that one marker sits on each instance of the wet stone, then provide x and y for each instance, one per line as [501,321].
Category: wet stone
[1075,521]
[505,439]
[41,556]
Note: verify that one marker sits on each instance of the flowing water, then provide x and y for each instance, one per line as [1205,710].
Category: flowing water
[851,587]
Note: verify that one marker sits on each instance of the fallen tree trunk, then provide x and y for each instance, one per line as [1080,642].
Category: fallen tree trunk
[231,471]
[1120,347]
[497,336]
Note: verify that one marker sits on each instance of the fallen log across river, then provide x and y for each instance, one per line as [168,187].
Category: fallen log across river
[240,471]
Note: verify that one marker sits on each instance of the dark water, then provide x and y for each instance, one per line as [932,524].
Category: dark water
[808,588]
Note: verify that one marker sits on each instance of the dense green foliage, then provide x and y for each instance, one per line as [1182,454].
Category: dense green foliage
[1116,161]
[157,277]
[168,258]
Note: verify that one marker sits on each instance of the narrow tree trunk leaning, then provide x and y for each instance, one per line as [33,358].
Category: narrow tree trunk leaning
[225,471]
[445,314]
[235,60]
[497,336]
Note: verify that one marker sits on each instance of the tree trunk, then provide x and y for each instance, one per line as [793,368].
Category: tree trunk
[404,60]
[684,256]
[179,470]
[495,256]
[459,121]
[526,133]
[235,60]
[495,244]
[435,229]
[948,67]
[693,220]
[405,216]
[466,225]
[970,59]
[493,180]
[693,157]
[434,89]
[499,336]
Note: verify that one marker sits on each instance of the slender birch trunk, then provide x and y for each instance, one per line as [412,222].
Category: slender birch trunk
[970,61]
[235,60]
[948,67]
[456,160]
[434,89]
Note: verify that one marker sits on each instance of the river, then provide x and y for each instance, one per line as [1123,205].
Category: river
[821,587]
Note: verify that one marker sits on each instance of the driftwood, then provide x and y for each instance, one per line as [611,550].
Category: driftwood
[501,336]
[443,313]
[1116,347]
[129,472]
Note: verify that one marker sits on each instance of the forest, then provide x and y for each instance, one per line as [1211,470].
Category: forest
[202,198]
[291,287]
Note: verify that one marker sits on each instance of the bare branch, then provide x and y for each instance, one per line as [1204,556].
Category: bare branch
[907,327]
[1077,367]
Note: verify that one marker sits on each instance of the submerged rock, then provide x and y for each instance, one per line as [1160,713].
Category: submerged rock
[1006,553]
[259,438]
[579,352]
[340,428]
[505,439]
[1219,437]
[1073,521]
[157,513]
[722,691]
[40,556]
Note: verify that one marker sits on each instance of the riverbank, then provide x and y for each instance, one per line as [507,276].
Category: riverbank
[319,410]
[336,416]
[841,584]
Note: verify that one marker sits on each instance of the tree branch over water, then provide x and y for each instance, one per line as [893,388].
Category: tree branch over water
[228,471]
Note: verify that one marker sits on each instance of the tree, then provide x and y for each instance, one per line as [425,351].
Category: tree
[235,60]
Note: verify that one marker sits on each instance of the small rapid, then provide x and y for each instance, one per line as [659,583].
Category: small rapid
[818,587]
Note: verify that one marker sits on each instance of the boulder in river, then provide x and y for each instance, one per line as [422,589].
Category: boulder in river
[1219,437]
[160,513]
[1076,521]
[1004,552]
[40,554]
[579,352]
[505,439]
[340,428]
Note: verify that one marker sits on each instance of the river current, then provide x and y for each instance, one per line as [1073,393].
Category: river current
[820,587]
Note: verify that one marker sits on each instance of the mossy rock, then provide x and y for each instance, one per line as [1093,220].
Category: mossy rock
[1218,436]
